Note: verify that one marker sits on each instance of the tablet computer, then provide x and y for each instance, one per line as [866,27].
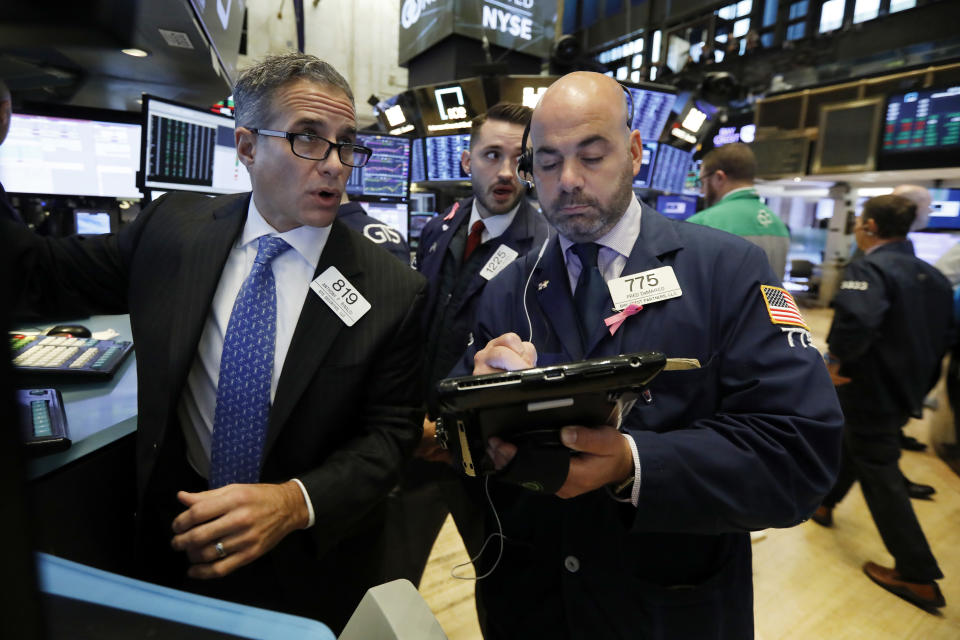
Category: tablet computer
[530,406]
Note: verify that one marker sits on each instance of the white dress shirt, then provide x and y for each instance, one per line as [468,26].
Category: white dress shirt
[493,226]
[615,248]
[293,271]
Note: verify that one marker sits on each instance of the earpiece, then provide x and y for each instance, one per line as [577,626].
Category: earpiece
[525,161]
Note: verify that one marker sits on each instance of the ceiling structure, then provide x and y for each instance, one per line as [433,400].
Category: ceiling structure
[70,53]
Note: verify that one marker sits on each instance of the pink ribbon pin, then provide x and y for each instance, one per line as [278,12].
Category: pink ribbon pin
[453,212]
[614,321]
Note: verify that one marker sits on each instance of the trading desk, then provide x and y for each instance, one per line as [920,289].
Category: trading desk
[84,498]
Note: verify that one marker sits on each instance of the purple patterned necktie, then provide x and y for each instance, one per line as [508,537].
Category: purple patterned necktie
[246,370]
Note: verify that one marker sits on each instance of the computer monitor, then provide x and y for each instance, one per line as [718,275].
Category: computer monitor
[677,207]
[393,214]
[651,108]
[920,129]
[929,247]
[87,222]
[847,136]
[443,157]
[417,222]
[642,179]
[691,182]
[418,164]
[944,209]
[450,107]
[68,156]
[189,149]
[670,169]
[387,174]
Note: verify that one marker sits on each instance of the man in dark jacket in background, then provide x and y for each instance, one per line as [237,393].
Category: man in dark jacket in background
[890,331]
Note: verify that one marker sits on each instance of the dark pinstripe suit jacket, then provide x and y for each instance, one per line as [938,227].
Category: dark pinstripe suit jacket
[344,416]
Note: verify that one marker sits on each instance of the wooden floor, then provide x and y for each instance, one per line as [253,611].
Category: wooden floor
[808,581]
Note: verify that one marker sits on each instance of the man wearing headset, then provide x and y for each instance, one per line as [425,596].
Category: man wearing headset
[459,252]
[648,534]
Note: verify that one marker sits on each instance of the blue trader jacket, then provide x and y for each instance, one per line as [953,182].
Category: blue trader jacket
[750,440]
[455,288]
[355,216]
[891,329]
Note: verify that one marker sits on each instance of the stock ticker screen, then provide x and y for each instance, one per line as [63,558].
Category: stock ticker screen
[443,156]
[922,120]
[418,164]
[650,111]
[670,169]
[388,171]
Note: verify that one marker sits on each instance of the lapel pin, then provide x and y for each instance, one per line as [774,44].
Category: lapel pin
[543,285]
[445,227]
[433,247]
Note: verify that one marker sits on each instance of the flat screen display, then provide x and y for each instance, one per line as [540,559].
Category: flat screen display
[418,164]
[450,108]
[71,157]
[677,207]
[847,136]
[189,149]
[651,108]
[92,222]
[921,129]
[387,173]
[443,156]
[670,169]
[392,214]
[642,179]
[944,209]
[929,247]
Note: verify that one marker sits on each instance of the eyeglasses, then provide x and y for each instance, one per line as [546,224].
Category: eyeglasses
[698,181]
[311,147]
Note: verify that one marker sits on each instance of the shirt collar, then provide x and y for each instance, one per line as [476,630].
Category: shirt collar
[494,225]
[622,236]
[306,240]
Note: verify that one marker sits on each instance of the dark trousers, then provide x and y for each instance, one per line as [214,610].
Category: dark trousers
[870,451]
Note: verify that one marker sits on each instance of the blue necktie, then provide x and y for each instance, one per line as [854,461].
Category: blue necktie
[590,296]
[246,370]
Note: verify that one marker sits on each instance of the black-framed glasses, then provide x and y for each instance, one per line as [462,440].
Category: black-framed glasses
[698,181]
[312,147]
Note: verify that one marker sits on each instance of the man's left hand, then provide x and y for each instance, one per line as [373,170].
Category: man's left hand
[604,458]
[246,519]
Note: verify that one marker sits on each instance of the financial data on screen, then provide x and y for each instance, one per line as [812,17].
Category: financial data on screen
[387,172]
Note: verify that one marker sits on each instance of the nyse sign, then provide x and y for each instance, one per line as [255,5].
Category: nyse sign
[502,18]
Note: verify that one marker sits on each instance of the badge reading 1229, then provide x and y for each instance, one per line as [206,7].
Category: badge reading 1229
[644,288]
[341,296]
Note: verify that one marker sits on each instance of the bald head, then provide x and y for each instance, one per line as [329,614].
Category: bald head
[919,196]
[6,110]
[584,155]
[586,92]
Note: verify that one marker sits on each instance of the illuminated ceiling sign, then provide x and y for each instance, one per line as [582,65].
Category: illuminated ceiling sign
[729,135]
[395,115]
[526,26]
[531,96]
[448,111]
[683,135]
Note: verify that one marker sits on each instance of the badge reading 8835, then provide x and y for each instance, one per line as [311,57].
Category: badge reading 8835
[341,296]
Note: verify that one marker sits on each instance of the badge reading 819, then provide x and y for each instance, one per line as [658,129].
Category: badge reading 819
[341,296]
[644,288]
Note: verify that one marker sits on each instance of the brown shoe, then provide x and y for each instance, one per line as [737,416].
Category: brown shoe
[925,595]
[823,516]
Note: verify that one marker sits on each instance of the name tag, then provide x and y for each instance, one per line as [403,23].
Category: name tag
[644,288]
[341,296]
[503,256]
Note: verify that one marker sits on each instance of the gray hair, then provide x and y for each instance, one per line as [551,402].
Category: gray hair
[253,93]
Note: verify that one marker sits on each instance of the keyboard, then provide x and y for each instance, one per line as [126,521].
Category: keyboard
[69,359]
[43,423]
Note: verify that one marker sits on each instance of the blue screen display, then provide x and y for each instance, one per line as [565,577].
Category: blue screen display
[388,171]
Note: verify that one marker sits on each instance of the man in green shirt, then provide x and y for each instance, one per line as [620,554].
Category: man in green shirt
[726,177]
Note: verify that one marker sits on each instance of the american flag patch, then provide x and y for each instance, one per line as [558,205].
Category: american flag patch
[781,307]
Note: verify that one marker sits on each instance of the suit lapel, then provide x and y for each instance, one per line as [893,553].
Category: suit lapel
[317,329]
[553,294]
[201,265]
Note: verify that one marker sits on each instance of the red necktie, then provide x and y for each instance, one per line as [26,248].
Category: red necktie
[473,240]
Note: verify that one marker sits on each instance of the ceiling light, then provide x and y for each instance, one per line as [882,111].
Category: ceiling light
[136,53]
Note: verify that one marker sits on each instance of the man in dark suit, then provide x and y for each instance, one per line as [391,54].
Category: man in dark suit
[6,115]
[459,252]
[355,216]
[648,534]
[278,358]
[891,328]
